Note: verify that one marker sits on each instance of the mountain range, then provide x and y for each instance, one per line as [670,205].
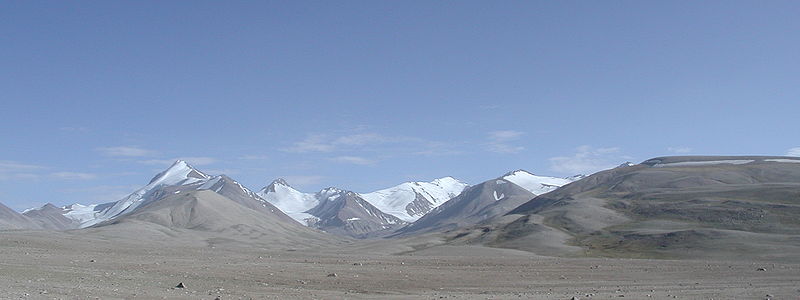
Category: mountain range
[361,215]
[333,210]
[663,207]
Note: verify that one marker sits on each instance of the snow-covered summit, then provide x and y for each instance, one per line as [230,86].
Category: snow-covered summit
[411,200]
[291,201]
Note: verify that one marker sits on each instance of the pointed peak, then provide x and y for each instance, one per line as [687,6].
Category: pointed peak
[277,182]
[626,164]
[280,181]
[179,170]
[180,164]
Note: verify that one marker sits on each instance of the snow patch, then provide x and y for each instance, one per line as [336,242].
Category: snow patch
[80,213]
[497,198]
[209,184]
[784,160]
[536,184]
[704,163]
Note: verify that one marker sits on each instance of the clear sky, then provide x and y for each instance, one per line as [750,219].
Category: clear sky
[98,96]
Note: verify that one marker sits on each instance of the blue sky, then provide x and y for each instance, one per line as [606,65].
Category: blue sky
[98,96]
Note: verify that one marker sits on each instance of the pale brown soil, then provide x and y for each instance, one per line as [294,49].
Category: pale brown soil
[39,265]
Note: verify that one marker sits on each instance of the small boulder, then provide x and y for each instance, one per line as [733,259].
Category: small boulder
[332,275]
[180,286]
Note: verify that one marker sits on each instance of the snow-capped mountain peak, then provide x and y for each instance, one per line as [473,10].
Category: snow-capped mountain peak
[179,173]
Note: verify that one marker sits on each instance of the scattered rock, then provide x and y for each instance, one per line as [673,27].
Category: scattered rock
[332,275]
[180,286]
[358,264]
[575,298]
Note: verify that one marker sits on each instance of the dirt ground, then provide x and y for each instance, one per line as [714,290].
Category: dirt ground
[40,266]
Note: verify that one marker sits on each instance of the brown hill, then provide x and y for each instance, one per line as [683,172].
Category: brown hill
[686,207]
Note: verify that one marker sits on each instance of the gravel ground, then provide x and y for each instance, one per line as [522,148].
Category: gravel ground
[42,266]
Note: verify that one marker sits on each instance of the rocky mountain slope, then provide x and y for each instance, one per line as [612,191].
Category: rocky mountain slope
[178,178]
[475,204]
[346,213]
[52,217]
[216,218]
[11,219]
[691,206]
[485,201]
